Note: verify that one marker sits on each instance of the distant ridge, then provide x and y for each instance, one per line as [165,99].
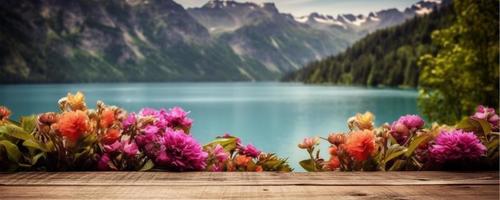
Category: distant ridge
[387,57]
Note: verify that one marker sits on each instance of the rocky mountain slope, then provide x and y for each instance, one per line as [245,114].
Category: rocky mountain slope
[159,40]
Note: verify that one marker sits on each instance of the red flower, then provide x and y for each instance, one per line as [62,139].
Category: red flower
[107,118]
[4,113]
[111,135]
[333,150]
[361,144]
[73,125]
[333,163]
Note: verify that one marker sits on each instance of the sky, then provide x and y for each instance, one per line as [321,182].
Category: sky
[330,7]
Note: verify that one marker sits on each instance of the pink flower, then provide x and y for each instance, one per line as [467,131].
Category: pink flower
[220,154]
[178,152]
[309,143]
[412,121]
[129,121]
[113,147]
[103,163]
[177,119]
[487,114]
[130,149]
[250,150]
[159,116]
[456,145]
[401,128]
[150,129]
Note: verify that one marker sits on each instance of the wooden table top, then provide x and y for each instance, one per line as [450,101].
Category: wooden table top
[250,185]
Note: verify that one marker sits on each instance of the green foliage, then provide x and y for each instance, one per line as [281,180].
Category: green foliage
[386,57]
[309,165]
[18,148]
[464,72]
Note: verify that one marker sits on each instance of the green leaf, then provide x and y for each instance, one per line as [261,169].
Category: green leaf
[415,143]
[33,144]
[147,166]
[15,131]
[485,126]
[229,144]
[35,158]
[394,152]
[28,123]
[13,152]
[308,165]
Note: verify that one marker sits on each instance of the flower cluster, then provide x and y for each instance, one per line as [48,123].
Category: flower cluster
[405,127]
[227,153]
[489,115]
[407,145]
[456,145]
[108,138]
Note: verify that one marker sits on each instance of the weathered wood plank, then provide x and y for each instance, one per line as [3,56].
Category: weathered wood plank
[474,192]
[201,185]
[249,179]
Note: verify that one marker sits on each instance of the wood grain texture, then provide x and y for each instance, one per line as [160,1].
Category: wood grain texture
[203,185]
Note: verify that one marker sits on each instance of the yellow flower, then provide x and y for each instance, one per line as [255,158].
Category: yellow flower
[77,101]
[364,121]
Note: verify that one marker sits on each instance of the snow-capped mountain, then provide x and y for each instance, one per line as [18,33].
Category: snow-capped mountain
[374,20]
[227,15]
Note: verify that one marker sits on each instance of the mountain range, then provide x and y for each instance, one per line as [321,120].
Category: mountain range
[386,57]
[159,40]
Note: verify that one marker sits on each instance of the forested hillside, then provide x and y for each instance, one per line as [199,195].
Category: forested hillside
[386,57]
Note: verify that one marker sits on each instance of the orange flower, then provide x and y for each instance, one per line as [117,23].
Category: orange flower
[107,118]
[111,135]
[230,166]
[73,125]
[336,138]
[361,144]
[242,160]
[4,113]
[77,101]
[333,150]
[333,163]
[259,169]
[309,143]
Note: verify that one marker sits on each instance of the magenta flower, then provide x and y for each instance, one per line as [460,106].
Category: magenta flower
[180,152]
[159,116]
[129,121]
[150,129]
[250,150]
[129,149]
[177,119]
[217,158]
[401,128]
[103,163]
[456,145]
[412,121]
[220,154]
[487,114]
[113,147]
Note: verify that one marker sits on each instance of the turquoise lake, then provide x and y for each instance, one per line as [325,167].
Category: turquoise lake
[273,116]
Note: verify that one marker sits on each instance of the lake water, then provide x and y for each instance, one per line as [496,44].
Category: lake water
[273,116]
